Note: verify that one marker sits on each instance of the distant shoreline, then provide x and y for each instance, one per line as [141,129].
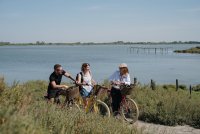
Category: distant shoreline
[193,50]
[93,43]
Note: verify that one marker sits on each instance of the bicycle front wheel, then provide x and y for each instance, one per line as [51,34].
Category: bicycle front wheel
[129,110]
[72,105]
[101,108]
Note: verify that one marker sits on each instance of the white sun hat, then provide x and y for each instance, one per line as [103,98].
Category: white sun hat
[122,65]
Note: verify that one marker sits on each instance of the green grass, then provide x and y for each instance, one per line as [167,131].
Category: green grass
[23,110]
[190,50]
[167,106]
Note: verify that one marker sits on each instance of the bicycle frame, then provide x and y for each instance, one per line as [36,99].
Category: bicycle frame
[91,102]
[124,101]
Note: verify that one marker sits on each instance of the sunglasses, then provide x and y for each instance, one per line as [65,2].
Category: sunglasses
[59,70]
[86,65]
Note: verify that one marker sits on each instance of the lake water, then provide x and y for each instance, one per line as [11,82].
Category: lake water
[23,63]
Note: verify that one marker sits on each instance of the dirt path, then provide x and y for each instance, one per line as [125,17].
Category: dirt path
[149,128]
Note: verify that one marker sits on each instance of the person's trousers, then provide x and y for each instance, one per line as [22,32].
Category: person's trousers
[55,93]
[116,99]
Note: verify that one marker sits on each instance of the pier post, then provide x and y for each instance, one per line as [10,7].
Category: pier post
[190,91]
[177,85]
[135,80]
[153,85]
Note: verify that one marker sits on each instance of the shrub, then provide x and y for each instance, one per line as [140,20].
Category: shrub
[183,87]
[167,106]
[23,110]
[2,84]
[196,88]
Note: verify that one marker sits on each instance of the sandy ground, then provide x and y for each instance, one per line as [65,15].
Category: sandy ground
[149,128]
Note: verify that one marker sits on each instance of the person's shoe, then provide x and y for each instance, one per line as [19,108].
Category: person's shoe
[116,115]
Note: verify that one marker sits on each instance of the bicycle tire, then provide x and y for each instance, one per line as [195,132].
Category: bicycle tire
[74,106]
[102,108]
[131,114]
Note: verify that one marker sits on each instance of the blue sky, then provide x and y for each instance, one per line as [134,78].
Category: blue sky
[99,20]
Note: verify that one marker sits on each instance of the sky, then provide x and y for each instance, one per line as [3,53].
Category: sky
[99,20]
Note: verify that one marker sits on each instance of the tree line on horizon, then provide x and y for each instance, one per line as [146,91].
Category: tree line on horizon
[95,43]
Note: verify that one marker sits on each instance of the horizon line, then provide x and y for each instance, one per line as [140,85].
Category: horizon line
[79,42]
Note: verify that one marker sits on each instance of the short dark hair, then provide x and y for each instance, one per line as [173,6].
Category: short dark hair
[56,66]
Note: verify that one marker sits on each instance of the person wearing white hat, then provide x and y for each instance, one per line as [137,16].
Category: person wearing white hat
[118,78]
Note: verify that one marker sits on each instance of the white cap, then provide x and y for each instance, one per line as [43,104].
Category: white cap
[123,65]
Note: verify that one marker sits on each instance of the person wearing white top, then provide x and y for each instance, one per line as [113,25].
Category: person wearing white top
[118,78]
[86,82]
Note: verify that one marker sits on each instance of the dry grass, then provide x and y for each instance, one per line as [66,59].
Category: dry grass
[23,110]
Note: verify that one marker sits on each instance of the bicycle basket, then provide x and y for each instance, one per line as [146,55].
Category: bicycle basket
[72,92]
[127,89]
[99,90]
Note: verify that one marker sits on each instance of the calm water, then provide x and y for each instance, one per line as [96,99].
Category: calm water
[24,63]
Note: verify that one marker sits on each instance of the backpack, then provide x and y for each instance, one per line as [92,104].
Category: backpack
[80,87]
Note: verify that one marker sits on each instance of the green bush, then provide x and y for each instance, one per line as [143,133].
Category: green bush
[170,86]
[183,87]
[196,88]
[23,110]
[190,50]
[2,84]
[167,106]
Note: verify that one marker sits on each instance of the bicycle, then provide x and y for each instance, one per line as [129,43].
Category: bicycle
[72,96]
[128,107]
[95,105]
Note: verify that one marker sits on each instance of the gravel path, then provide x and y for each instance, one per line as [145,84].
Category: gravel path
[149,128]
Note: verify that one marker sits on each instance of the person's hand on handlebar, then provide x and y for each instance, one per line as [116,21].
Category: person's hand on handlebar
[117,83]
[65,86]
[76,82]
[81,84]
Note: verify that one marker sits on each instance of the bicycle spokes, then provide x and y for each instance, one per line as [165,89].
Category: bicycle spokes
[129,110]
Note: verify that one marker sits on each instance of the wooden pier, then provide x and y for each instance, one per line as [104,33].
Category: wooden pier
[155,50]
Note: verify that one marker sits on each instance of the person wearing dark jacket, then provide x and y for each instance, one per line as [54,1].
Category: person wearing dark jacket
[55,86]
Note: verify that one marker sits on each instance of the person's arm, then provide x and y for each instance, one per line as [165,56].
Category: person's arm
[54,86]
[93,82]
[113,78]
[78,82]
[53,83]
[128,80]
[79,79]
[68,75]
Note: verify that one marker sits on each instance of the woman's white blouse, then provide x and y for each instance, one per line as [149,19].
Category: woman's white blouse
[87,79]
[117,77]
